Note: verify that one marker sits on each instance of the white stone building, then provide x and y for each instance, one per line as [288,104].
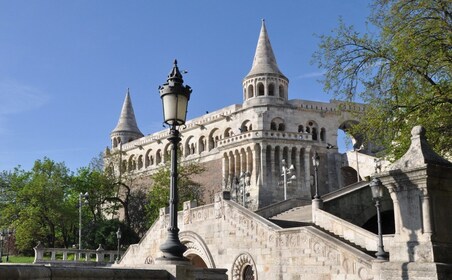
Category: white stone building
[244,145]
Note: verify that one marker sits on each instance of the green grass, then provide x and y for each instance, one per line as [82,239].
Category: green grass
[18,259]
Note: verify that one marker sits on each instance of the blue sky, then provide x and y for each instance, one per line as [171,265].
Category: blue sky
[65,66]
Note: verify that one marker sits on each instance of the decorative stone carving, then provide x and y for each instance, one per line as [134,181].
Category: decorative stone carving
[240,263]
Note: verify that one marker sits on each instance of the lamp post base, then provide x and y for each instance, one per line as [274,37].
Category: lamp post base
[173,249]
[382,255]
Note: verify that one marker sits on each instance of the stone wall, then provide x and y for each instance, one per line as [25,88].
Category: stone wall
[226,235]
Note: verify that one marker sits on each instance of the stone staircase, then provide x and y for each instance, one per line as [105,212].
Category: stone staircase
[295,217]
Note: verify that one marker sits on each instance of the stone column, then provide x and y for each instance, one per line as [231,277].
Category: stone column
[272,166]
[225,167]
[307,171]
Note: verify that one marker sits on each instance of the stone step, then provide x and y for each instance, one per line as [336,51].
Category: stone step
[301,214]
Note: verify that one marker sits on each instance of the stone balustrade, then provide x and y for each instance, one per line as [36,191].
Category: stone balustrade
[67,255]
[355,234]
[267,134]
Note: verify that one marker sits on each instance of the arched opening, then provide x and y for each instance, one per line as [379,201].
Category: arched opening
[196,261]
[202,144]
[214,137]
[260,89]
[250,91]
[228,132]
[349,175]
[322,134]
[273,126]
[158,157]
[300,128]
[140,162]
[271,90]
[281,91]
[248,273]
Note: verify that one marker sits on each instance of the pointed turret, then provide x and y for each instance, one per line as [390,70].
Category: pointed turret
[127,129]
[265,83]
[264,59]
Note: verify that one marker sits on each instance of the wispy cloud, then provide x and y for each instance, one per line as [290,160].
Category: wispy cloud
[311,75]
[16,98]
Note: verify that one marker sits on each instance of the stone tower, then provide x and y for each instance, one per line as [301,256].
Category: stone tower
[265,83]
[127,129]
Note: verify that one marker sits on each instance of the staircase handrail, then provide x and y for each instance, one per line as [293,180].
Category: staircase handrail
[353,233]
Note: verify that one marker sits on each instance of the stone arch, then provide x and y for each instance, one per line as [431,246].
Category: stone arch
[282,91]
[357,139]
[140,161]
[277,124]
[250,91]
[196,247]
[202,144]
[228,132]
[158,156]
[260,89]
[300,128]
[246,126]
[271,89]
[323,134]
[131,163]
[148,158]
[241,263]
[190,146]
[214,137]
[312,128]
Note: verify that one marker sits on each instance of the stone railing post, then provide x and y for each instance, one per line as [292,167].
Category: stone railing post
[100,254]
[39,252]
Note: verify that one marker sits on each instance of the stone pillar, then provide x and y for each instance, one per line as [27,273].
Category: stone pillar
[419,184]
[272,167]
[298,181]
[307,171]
[225,169]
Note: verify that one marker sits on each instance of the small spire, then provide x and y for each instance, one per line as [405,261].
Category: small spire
[264,59]
[127,121]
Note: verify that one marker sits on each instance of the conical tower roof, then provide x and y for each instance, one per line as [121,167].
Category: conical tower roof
[264,59]
[127,121]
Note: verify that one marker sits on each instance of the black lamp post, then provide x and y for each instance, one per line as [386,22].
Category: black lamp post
[175,98]
[316,163]
[377,193]
[118,236]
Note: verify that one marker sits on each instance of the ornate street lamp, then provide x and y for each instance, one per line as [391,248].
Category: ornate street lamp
[175,98]
[80,204]
[316,163]
[377,193]
[118,236]
[287,171]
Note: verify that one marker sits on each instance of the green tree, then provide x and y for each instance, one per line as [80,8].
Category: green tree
[38,205]
[403,71]
[188,188]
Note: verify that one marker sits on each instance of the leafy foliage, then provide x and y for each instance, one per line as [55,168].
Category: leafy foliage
[43,205]
[160,192]
[403,72]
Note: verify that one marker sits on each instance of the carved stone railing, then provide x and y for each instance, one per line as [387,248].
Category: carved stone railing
[65,255]
[355,234]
